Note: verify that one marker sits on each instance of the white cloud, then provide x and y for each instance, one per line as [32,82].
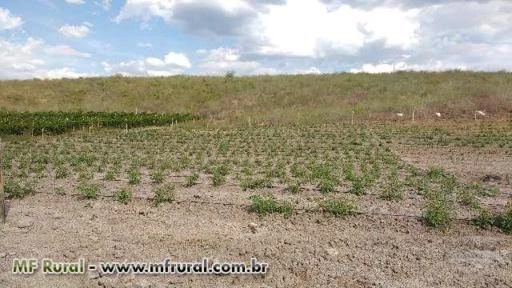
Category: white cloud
[75,31]
[65,50]
[308,28]
[222,60]
[76,2]
[177,59]
[173,63]
[9,21]
[65,72]
[33,58]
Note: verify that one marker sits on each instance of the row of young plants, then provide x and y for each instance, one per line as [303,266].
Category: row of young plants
[17,123]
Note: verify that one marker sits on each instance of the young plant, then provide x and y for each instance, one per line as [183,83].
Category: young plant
[88,191]
[18,189]
[192,180]
[123,195]
[164,194]
[338,208]
[264,205]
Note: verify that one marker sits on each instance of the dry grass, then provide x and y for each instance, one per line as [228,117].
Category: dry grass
[273,99]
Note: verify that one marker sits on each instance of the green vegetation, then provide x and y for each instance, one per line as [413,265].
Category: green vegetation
[267,204]
[164,194]
[272,99]
[20,190]
[123,195]
[59,122]
[88,191]
[486,219]
[339,208]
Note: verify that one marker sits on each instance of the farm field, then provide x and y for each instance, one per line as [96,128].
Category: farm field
[377,204]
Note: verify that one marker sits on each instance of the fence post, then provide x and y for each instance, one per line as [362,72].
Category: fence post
[3,211]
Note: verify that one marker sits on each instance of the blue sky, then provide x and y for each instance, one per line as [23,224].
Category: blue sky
[80,38]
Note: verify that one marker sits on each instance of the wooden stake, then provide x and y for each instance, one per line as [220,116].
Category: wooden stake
[352,120]
[3,211]
[412,115]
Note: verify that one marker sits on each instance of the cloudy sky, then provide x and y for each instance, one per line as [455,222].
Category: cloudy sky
[73,38]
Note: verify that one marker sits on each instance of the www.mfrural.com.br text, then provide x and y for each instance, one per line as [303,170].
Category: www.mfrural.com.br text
[167,266]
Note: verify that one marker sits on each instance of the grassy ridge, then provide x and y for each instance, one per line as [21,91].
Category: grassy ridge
[275,99]
[60,122]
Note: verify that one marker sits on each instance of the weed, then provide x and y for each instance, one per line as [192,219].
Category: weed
[88,191]
[339,208]
[18,189]
[157,176]
[264,205]
[438,213]
[134,177]
[164,194]
[192,180]
[294,188]
[123,195]
[250,183]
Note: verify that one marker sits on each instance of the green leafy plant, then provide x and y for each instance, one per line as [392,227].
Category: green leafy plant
[15,189]
[339,208]
[267,204]
[88,191]
[164,194]
[123,195]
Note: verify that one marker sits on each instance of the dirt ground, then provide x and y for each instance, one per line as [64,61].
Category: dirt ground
[307,250]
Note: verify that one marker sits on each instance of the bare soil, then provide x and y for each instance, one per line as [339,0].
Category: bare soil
[310,249]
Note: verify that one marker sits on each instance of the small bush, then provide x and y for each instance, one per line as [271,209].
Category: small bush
[264,205]
[123,195]
[485,219]
[88,191]
[218,179]
[18,189]
[338,208]
[163,194]
[438,213]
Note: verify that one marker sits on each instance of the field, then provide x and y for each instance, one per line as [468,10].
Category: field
[327,201]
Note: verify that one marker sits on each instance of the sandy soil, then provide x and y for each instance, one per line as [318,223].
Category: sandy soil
[307,250]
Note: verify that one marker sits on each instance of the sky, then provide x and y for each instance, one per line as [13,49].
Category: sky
[50,39]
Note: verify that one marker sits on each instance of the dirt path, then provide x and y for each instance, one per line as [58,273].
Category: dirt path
[307,250]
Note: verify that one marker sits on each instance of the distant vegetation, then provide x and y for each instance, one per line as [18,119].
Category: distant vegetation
[59,122]
[273,99]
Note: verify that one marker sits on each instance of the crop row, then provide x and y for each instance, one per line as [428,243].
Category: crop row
[17,123]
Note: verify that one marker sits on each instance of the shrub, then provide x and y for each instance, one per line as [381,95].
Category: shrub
[438,213]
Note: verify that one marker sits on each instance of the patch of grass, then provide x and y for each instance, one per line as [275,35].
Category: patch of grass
[134,177]
[484,219]
[267,204]
[88,191]
[338,208]
[157,176]
[250,183]
[438,213]
[294,188]
[192,180]
[164,194]
[326,186]
[123,195]
[18,190]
